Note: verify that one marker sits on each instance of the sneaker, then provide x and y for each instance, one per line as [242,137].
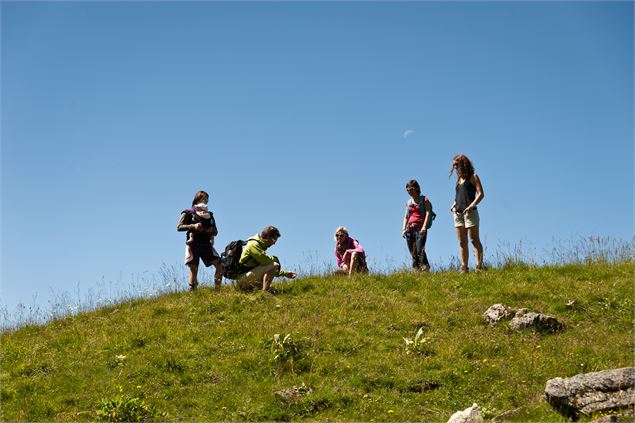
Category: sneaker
[480,268]
[425,268]
[193,286]
[464,269]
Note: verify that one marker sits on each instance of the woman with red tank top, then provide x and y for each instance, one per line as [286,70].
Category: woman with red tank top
[469,192]
[415,223]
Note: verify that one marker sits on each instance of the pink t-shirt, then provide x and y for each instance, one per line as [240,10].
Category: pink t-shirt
[343,252]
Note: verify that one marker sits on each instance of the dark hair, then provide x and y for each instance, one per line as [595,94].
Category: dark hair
[414,184]
[463,166]
[270,232]
[199,197]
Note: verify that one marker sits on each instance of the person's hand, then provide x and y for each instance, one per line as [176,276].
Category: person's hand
[291,275]
[345,267]
[403,233]
[453,209]
[468,209]
[198,226]
[423,230]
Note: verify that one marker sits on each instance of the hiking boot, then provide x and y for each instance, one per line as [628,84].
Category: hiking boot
[193,286]
[425,268]
[464,269]
[480,267]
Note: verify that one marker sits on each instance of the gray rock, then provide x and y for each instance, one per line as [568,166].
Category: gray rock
[589,393]
[469,415]
[528,319]
[496,313]
[606,419]
[294,393]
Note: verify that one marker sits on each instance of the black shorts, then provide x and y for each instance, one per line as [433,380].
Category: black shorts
[205,252]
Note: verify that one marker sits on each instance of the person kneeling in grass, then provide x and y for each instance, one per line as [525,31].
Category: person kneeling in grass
[350,256]
[260,267]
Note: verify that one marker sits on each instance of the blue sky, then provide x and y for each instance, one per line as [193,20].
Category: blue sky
[294,114]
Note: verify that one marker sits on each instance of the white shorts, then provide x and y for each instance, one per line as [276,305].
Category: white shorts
[467,220]
[253,278]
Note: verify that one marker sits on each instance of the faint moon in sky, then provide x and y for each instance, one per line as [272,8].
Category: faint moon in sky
[407,133]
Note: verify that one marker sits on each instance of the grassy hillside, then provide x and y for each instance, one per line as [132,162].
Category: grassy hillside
[207,356]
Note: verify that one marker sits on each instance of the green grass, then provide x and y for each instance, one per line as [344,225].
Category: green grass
[207,356]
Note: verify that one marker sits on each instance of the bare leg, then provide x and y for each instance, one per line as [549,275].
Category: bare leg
[478,247]
[461,233]
[268,277]
[193,276]
[218,274]
[354,263]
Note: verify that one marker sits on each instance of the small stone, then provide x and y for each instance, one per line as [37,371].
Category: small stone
[469,415]
[540,322]
[496,313]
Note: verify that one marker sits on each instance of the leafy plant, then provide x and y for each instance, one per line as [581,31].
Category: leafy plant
[287,351]
[420,344]
[125,408]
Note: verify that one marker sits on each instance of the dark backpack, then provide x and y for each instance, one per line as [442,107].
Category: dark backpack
[422,201]
[231,259]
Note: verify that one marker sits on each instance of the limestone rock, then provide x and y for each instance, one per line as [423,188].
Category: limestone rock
[528,319]
[496,313]
[294,393]
[469,415]
[588,393]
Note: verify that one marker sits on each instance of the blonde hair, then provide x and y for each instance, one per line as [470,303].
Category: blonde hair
[341,229]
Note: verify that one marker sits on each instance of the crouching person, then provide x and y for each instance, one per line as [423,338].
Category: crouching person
[351,257]
[260,267]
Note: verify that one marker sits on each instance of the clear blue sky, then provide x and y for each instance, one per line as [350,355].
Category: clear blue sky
[294,115]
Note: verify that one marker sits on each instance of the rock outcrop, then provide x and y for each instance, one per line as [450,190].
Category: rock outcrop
[496,313]
[525,319]
[294,393]
[588,393]
[469,415]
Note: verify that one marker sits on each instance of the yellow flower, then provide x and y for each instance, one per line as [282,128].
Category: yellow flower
[391,411]
[484,360]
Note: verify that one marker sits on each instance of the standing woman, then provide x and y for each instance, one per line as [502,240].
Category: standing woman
[415,225]
[201,230]
[469,192]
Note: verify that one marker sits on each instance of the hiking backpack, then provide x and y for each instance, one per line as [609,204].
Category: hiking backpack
[422,201]
[231,259]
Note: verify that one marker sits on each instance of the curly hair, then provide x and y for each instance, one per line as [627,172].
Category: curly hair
[463,166]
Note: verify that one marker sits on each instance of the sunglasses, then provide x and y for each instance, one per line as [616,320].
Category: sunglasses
[340,235]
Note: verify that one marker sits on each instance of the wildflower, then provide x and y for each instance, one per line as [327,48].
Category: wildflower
[391,411]
[484,360]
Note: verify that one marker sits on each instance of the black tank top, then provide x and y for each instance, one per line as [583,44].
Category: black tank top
[465,195]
